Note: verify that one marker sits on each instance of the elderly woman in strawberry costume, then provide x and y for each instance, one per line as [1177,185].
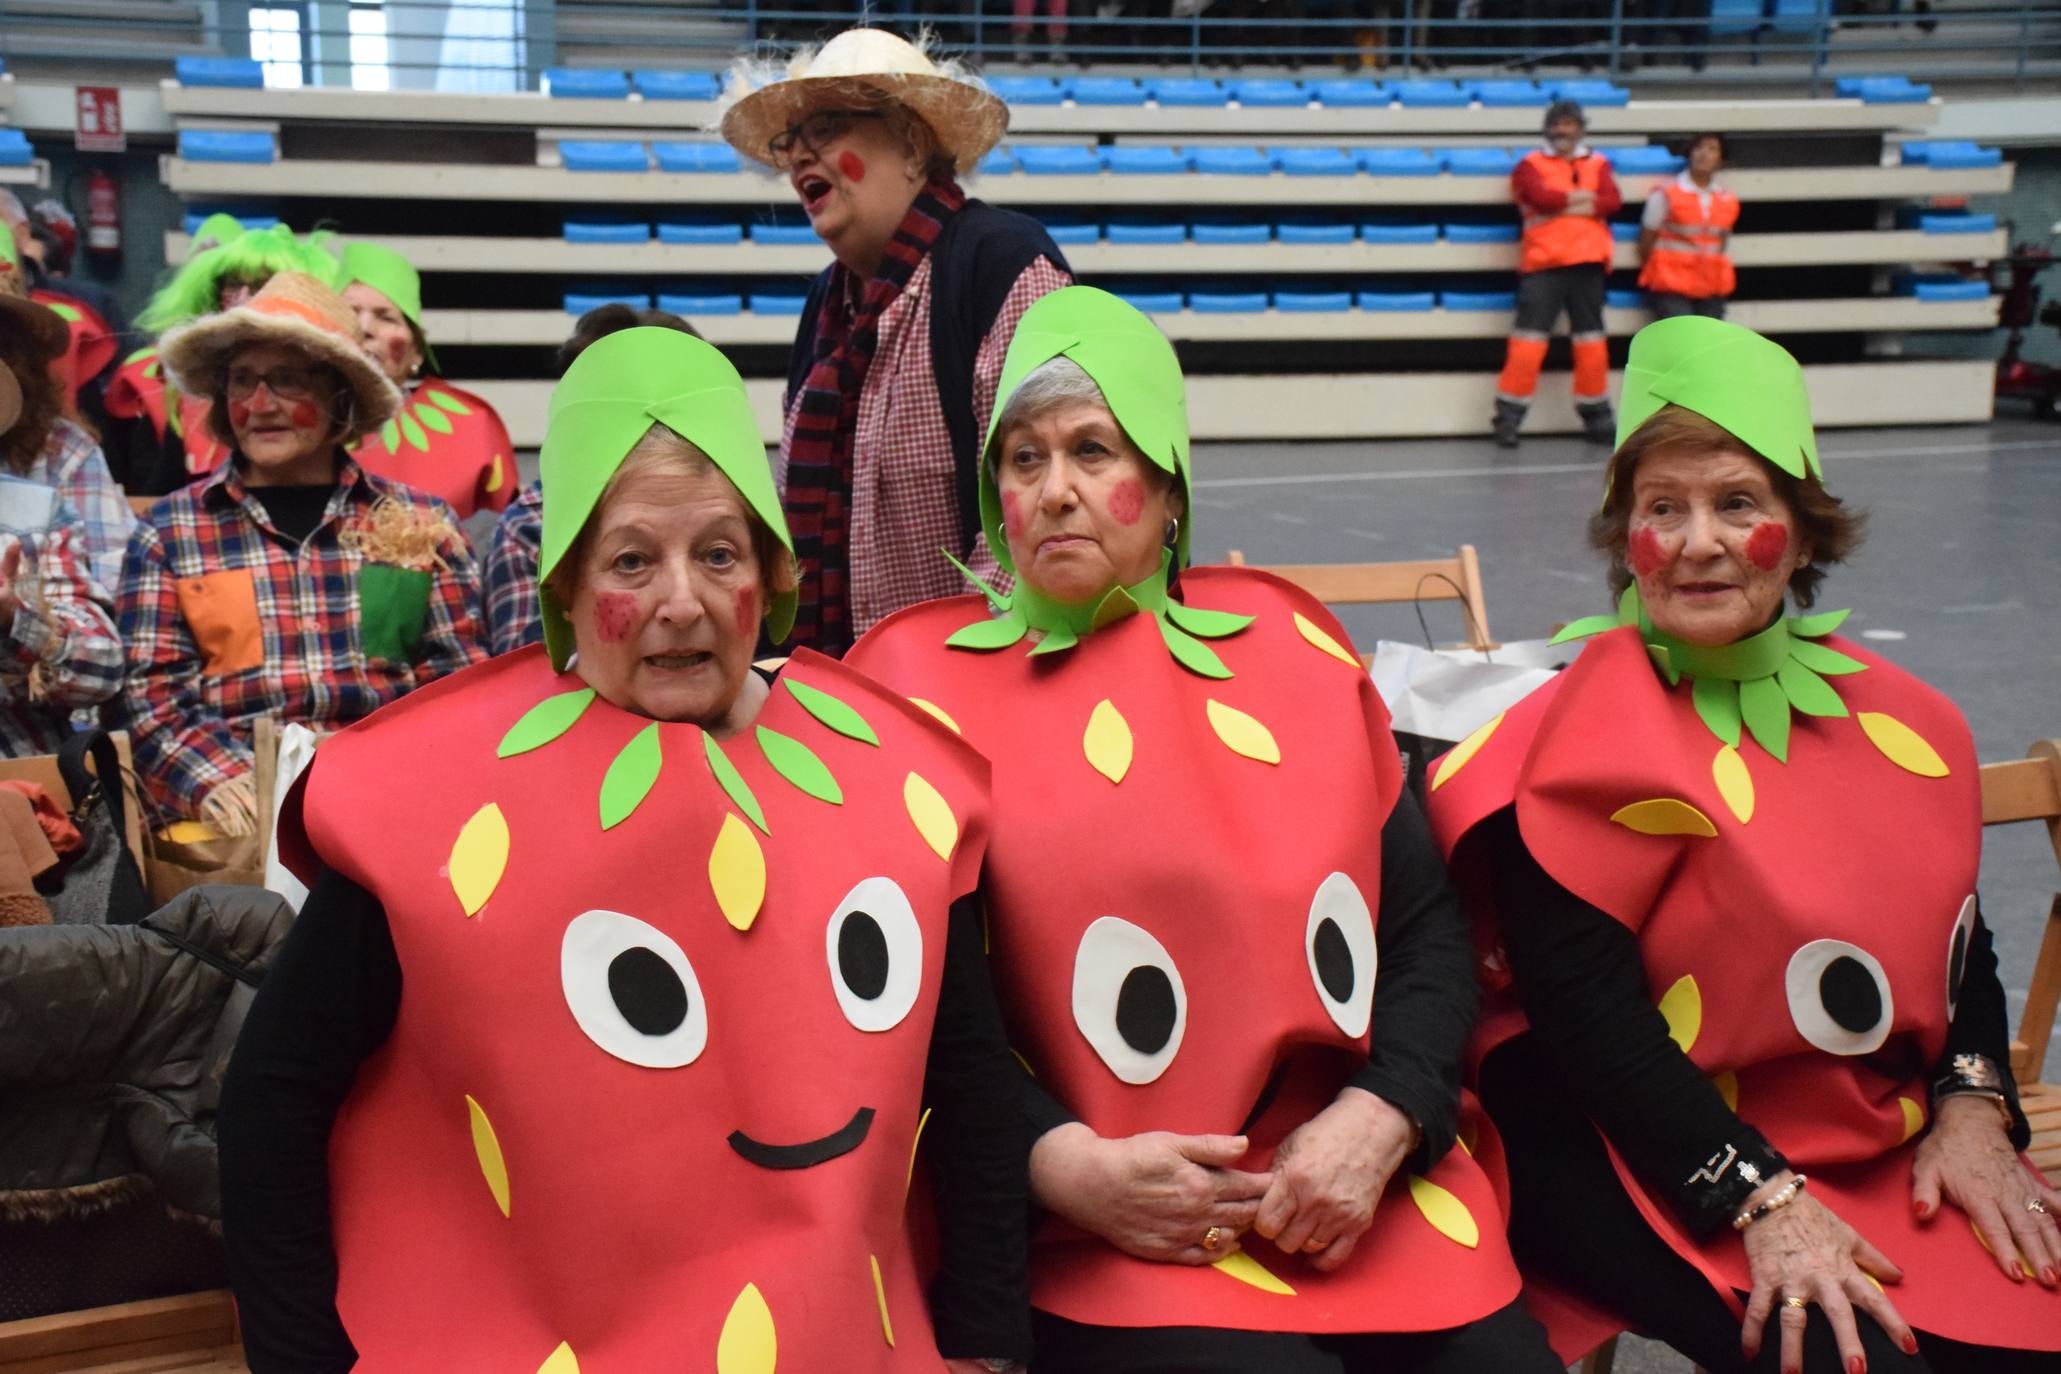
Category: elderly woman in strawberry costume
[1223,940]
[632,974]
[1744,1035]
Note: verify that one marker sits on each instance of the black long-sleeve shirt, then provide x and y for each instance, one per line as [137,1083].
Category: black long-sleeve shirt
[330,1001]
[1582,983]
[1424,994]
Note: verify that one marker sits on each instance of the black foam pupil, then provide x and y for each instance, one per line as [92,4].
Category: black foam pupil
[862,955]
[1334,960]
[1849,993]
[1145,1009]
[647,992]
[1956,959]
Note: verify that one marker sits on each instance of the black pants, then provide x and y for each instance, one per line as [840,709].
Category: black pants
[1571,1220]
[1507,1342]
[1578,290]
[1668,304]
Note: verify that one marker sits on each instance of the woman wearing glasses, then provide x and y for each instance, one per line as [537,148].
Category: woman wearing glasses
[895,363]
[289,583]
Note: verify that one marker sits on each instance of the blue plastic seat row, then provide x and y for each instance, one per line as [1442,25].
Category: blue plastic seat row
[198,215]
[1141,159]
[1937,286]
[625,155]
[1950,154]
[1316,301]
[239,73]
[1955,222]
[14,148]
[783,302]
[222,145]
[579,83]
[692,231]
[1882,90]
[1273,93]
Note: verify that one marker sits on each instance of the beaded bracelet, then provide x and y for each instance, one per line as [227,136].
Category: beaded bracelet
[1783,1196]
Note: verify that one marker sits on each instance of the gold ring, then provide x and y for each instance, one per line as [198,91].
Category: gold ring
[1795,1302]
[1211,1237]
[2037,1204]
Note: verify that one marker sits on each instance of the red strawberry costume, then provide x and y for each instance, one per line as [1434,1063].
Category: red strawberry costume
[448,442]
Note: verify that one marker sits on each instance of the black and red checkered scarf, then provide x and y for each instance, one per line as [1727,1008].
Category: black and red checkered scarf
[819,454]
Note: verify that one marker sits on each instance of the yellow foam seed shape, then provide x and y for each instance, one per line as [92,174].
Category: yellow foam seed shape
[1902,745]
[939,712]
[1682,1007]
[1447,1214]
[1242,734]
[932,814]
[1727,1084]
[747,1345]
[1664,816]
[2023,1267]
[1914,1117]
[561,1360]
[488,1147]
[887,1328]
[1734,783]
[1466,749]
[1246,1269]
[1107,741]
[910,1177]
[737,872]
[1308,629]
[479,856]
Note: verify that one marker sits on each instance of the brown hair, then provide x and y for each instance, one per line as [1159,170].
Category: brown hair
[1824,524]
[42,399]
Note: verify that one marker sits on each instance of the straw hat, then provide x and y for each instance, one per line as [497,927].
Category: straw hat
[293,310]
[47,331]
[861,69]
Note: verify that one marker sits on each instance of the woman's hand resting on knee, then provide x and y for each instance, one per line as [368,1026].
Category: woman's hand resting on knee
[1968,1158]
[1157,1195]
[1802,1254]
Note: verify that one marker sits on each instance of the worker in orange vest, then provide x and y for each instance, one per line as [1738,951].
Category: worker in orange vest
[1683,234]
[1566,195]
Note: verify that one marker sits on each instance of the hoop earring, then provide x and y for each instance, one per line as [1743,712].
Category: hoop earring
[1173,531]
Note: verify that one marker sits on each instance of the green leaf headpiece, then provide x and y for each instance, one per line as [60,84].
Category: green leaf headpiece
[394,277]
[1730,376]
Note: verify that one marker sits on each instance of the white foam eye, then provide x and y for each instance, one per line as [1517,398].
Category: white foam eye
[1340,943]
[632,990]
[1128,999]
[1957,954]
[1839,997]
[876,955]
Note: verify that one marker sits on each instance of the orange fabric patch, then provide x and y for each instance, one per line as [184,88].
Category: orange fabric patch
[221,611]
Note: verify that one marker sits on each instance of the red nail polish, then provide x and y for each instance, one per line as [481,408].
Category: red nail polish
[2049,1277]
[1910,1345]
[1918,1210]
[1856,1365]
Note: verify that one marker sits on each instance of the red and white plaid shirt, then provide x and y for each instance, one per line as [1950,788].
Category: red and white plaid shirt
[905,505]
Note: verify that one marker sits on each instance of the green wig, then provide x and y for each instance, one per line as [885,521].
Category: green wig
[254,257]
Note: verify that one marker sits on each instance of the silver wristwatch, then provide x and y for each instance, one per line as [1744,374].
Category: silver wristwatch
[1002,1366]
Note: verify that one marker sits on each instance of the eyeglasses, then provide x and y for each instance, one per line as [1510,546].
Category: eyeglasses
[813,133]
[287,383]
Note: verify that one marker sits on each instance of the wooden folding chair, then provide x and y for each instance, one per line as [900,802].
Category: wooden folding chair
[188,1334]
[1366,584]
[42,770]
[2029,789]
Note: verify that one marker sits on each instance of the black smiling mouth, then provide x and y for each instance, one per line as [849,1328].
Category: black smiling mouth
[809,1153]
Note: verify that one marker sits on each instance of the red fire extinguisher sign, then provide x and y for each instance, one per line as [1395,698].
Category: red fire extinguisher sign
[99,128]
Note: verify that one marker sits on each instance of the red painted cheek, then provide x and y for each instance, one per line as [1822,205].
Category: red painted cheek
[614,615]
[1127,501]
[851,166]
[1012,515]
[746,604]
[1767,545]
[397,349]
[1648,554]
[239,414]
[305,415]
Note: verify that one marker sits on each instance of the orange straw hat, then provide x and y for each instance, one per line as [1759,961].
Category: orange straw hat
[296,311]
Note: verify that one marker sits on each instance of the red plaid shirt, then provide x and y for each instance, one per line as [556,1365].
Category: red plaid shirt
[905,507]
[226,620]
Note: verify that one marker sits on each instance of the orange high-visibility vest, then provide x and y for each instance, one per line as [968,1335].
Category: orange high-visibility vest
[1688,256]
[1563,240]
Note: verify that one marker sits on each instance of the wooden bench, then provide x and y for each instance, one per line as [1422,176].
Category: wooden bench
[193,1332]
[1366,584]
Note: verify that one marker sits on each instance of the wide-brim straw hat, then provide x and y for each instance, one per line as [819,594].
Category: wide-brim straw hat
[861,69]
[294,310]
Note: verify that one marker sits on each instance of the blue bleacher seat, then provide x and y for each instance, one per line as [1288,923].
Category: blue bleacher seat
[1797,16]
[1849,87]
[1316,162]
[1396,302]
[1938,286]
[1189,91]
[604,155]
[1244,162]
[1898,92]
[1431,94]
[221,145]
[1227,302]
[783,234]
[1107,90]
[1400,162]
[578,83]
[1270,93]
[1480,162]
[197,216]
[1073,232]
[1147,231]
[1481,233]
[688,307]
[700,232]
[997,162]
[1623,231]
[678,85]
[1398,233]
[1313,302]
[1956,223]
[1071,159]
[1625,298]
[1154,302]
[1506,95]
[239,72]
[1735,16]
[15,151]
[605,231]
[1954,154]
[1145,159]
[1313,231]
[1916,153]
[580,302]
[1639,161]
[778,302]
[696,157]
[1500,301]
[1348,94]
[1232,233]
[1594,94]
[1028,90]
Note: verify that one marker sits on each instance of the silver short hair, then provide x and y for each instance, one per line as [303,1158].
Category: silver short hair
[1052,383]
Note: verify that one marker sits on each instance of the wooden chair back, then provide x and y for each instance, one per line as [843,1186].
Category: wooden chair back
[140,504]
[41,769]
[1365,584]
[196,1331]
